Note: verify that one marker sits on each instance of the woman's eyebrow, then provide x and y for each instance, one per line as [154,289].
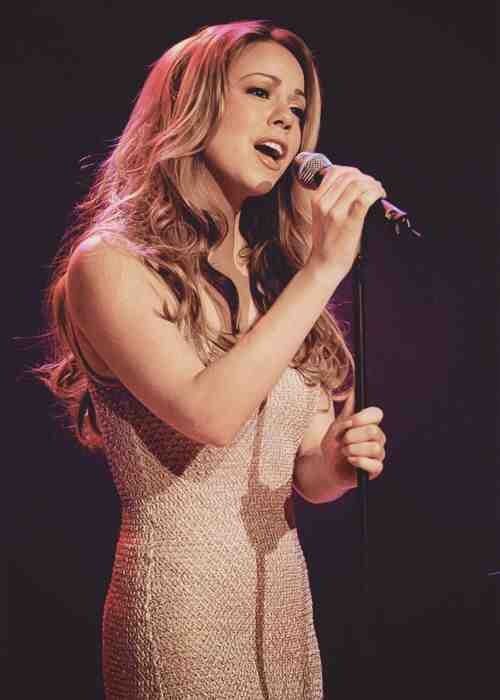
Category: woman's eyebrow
[276,80]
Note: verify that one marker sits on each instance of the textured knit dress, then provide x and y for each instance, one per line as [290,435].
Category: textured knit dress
[209,595]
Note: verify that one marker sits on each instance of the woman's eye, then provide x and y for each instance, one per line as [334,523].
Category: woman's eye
[258,89]
[261,92]
[299,112]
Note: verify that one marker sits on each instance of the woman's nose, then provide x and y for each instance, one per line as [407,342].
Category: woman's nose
[282,115]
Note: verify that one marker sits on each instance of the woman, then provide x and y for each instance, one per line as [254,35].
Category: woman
[192,344]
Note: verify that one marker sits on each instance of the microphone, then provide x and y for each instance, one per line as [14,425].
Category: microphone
[309,169]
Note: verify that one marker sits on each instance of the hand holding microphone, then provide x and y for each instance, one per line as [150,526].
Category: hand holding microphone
[341,202]
[339,206]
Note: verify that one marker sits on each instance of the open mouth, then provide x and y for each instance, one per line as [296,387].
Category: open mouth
[270,151]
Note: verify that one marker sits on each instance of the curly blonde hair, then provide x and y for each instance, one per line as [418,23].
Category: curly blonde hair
[152,196]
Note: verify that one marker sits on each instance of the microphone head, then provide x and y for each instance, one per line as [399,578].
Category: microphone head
[307,167]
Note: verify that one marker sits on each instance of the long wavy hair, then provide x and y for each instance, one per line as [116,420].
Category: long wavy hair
[153,196]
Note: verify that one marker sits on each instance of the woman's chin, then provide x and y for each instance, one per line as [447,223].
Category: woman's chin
[262,187]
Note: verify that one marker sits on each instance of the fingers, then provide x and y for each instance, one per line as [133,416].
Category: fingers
[368,416]
[357,198]
[362,443]
[335,178]
[373,450]
[347,421]
[374,467]
[372,414]
[347,189]
[366,433]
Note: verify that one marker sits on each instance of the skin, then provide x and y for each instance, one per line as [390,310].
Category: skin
[257,107]
[354,440]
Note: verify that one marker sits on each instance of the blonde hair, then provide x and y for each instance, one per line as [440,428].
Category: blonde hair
[152,196]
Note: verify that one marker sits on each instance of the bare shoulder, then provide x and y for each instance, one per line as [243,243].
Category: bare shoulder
[107,272]
[96,252]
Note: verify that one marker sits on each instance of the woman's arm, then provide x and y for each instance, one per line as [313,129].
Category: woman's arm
[118,306]
[119,310]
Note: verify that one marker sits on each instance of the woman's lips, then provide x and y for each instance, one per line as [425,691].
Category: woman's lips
[268,161]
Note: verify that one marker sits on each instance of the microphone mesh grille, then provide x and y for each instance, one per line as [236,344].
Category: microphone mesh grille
[307,166]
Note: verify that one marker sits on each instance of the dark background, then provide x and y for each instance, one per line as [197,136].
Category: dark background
[409,97]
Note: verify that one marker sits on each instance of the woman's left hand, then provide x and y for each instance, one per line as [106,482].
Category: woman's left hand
[354,441]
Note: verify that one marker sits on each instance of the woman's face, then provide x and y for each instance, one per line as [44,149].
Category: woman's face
[265,103]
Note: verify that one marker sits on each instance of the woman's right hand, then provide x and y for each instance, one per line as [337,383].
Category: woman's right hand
[339,207]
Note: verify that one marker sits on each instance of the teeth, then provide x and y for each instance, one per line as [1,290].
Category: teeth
[275,146]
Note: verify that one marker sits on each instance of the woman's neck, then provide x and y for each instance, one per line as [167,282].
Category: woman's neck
[226,254]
